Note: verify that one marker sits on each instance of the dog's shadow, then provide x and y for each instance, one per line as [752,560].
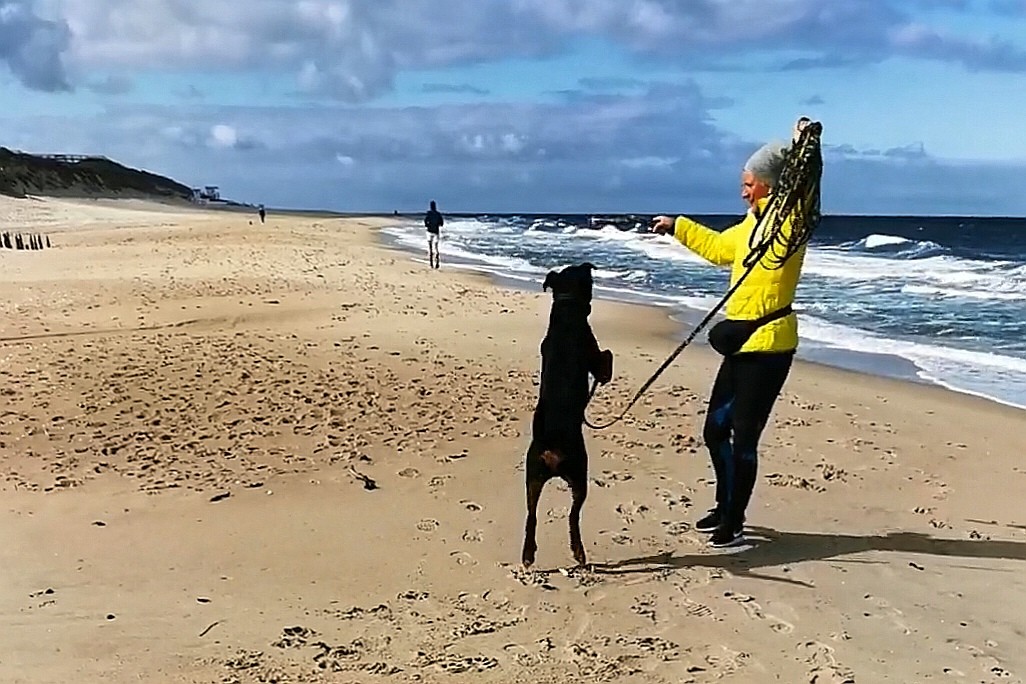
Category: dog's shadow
[770,548]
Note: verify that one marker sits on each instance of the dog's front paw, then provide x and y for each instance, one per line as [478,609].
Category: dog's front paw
[604,367]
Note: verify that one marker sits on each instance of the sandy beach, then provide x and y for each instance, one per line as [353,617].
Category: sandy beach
[233,452]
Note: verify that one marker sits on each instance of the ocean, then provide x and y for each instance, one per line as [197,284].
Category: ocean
[934,299]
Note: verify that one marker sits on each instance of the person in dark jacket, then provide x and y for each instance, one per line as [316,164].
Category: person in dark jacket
[433,221]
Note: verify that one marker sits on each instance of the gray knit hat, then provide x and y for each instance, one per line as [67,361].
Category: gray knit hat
[767,162]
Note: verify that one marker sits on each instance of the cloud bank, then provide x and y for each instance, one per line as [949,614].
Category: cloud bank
[606,144]
[352,50]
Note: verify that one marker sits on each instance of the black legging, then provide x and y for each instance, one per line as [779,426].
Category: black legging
[746,387]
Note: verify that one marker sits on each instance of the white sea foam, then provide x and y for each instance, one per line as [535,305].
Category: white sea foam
[872,241]
[964,293]
[996,376]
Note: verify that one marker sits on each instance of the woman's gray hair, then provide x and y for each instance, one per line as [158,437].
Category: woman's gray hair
[767,162]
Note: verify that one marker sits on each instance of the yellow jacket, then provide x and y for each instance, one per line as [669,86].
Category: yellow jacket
[763,291]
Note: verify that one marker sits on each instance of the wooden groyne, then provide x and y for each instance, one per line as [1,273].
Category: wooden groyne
[20,241]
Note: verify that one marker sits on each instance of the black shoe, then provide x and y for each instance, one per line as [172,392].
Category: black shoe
[709,523]
[727,535]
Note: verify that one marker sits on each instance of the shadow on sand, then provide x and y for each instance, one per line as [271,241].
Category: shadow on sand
[769,548]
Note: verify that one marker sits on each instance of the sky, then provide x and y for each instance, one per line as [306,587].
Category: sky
[576,106]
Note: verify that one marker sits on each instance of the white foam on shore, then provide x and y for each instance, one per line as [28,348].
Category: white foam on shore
[961,370]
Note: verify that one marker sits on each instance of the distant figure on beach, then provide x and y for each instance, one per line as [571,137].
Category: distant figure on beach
[433,221]
[263,213]
[749,379]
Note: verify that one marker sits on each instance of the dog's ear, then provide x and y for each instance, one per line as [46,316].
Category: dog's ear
[549,280]
[588,265]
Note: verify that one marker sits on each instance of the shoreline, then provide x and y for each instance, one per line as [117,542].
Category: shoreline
[889,367]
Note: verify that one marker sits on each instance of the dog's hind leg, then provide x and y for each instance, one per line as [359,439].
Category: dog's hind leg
[579,488]
[534,490]
[537,472]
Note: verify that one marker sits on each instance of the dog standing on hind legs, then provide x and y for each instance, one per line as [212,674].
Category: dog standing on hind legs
[570,353]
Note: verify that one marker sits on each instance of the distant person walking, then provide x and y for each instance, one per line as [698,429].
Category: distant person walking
[263,213]
[433,221]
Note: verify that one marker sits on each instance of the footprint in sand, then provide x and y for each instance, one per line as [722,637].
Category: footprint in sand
[1000,673]
[427,525]
[794,481]
[531,578]
[893,614]
[470,505]
[730,663]
[995,669]
[460,665]
[521,656]
[558,513]
[438,481]
[676,527]
[672,500]
[409,473]
[645,606]
[696,609]
[629,512]
[463,558]
[754,611]
[295,637]
[473,536]
[823,666]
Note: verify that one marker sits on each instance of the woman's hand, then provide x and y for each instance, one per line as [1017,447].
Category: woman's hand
[662,225]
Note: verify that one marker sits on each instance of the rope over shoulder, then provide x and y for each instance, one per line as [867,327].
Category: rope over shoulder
[796,195]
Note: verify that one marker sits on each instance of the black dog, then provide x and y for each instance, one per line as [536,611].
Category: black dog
[569,353]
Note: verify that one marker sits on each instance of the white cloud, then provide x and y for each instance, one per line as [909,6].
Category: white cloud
[353,49]
[649,162]
[223,136]
[511,142]
[492,144]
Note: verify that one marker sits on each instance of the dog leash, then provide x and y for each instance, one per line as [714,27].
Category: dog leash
[799,185]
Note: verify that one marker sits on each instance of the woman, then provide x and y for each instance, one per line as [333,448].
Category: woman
[749,379]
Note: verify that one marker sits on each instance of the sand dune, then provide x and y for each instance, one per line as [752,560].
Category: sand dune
[282,453]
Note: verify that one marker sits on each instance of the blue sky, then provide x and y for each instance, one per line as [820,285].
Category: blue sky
[528,105]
